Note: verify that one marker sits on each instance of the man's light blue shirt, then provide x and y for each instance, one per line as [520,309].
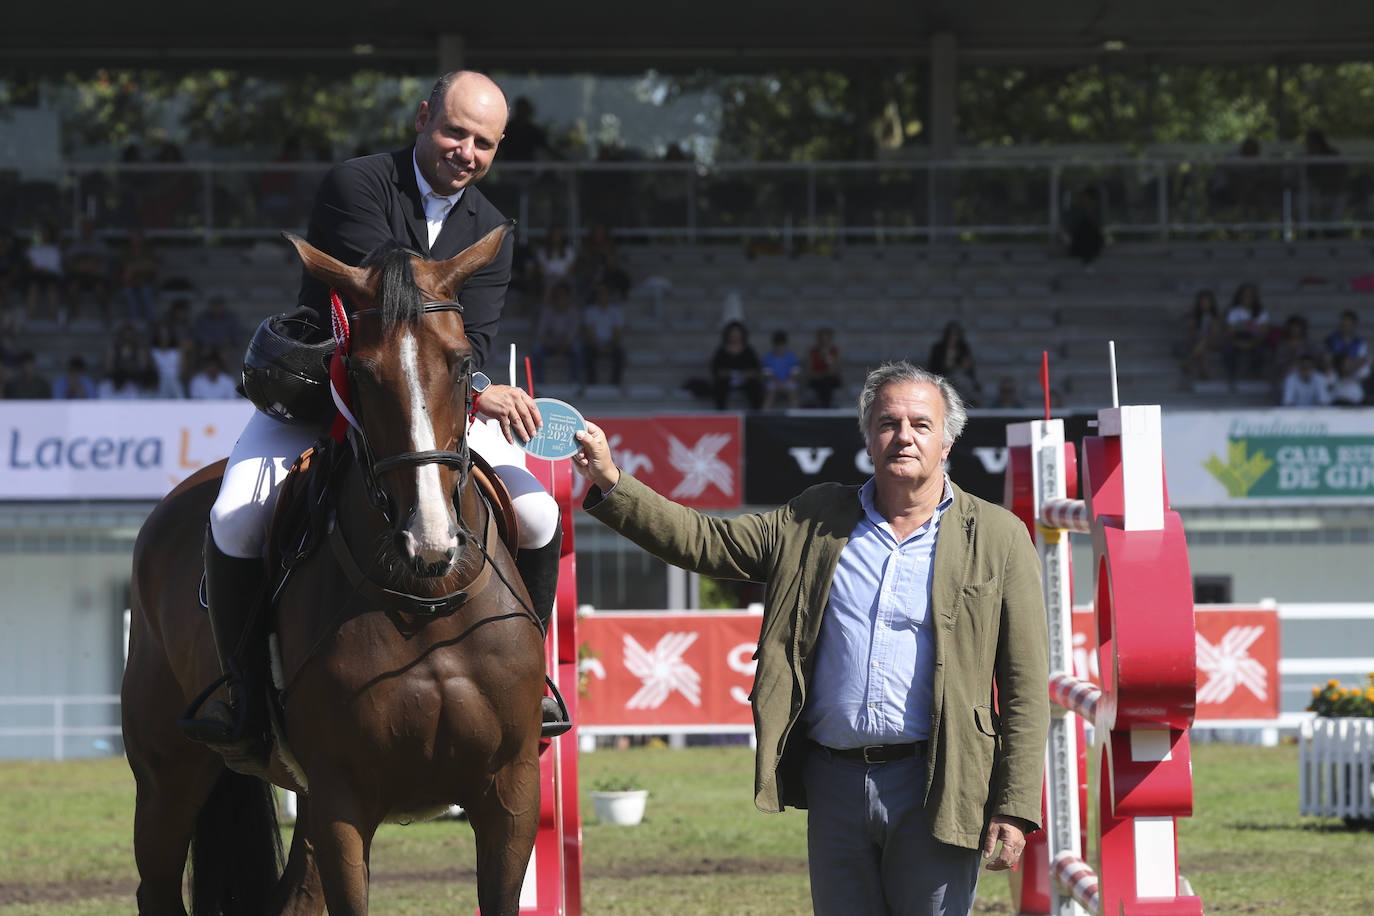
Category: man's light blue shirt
[875,656]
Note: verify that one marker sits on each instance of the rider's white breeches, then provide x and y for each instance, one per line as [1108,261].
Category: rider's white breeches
[267,448]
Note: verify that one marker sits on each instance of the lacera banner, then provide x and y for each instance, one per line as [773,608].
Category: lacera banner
[1259,457]
[1237,660]
[667,669]
[693,459]
[111,449]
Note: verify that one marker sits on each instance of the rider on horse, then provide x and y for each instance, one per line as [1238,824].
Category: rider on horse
[423,197]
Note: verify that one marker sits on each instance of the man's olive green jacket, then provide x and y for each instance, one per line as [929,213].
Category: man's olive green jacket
[989,617]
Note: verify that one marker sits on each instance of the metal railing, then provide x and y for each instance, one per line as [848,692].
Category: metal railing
[1004,197]
[60,730]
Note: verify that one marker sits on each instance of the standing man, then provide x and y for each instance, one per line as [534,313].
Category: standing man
[900,692]
[423,197]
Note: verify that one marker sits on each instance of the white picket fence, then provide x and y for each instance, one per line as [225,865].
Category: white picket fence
[1336,767]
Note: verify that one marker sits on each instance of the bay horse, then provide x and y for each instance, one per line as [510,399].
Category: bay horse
[409,667]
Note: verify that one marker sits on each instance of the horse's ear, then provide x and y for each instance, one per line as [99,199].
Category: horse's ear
[447,277]
[354,282]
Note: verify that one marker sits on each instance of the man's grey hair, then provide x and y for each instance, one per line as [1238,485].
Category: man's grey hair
[902,371]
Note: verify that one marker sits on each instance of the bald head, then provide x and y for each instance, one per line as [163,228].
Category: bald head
[457,130]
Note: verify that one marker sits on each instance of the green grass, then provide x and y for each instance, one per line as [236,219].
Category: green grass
[65,833]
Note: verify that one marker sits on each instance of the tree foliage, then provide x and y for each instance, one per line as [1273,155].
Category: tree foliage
[790,114]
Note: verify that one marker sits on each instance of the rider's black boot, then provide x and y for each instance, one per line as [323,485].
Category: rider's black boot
[538,567]
[237,729]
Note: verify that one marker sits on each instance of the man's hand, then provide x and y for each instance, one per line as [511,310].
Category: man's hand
[516,410]
[594,462]
[1009,831]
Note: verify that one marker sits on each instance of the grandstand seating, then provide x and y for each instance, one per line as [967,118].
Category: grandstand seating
[884,301]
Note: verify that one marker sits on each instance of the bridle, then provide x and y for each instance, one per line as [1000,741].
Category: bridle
[371,467]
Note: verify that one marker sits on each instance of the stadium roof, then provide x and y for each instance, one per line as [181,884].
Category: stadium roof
[611,35]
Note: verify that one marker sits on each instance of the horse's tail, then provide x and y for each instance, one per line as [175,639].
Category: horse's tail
[236,853]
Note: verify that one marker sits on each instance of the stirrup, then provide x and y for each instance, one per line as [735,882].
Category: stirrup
[210,731]
[561,725]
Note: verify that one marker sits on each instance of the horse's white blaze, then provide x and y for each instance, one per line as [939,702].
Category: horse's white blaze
[431,536]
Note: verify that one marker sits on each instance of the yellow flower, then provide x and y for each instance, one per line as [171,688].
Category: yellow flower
[1333,683]
[1316,691]
[1369,694]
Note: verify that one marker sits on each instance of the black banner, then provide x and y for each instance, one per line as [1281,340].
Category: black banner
[784,455]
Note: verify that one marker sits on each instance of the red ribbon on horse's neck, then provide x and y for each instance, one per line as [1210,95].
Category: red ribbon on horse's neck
[338,371]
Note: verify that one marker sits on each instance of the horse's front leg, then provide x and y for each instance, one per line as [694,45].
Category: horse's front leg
[299,893]
[340,835]
[505,819]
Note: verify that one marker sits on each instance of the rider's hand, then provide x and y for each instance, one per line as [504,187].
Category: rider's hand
[594,461]
[516,410]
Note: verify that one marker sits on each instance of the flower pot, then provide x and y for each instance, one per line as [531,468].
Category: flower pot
[625,808]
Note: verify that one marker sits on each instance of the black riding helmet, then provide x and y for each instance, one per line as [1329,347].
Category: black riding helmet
[286,368]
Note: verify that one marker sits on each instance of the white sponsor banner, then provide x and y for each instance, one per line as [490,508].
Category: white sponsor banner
[111,449]
[1269,457]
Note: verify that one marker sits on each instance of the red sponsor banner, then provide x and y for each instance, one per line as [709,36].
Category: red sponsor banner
[693,459]
[694,670]
[676,670]
[1237,660]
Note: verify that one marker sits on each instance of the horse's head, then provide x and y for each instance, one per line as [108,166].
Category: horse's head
[410,371]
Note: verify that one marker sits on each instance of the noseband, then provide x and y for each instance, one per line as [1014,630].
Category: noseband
[371,466]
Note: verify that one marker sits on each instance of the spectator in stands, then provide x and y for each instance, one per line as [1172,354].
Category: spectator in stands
[169,357]
[1305,386]
[1349,356]
[87,265]
[127,357]
[556,258]
[26,382]
[44,273]
[525,140]
[952,357]
[823,367]
[1206,333]
[119,386]
[74,384]
[1008,397]
[1083,223]
[138,270]
[1294,345]
[1239,186]
[603,330]
[218,329]
[558,333]
[781,373]
[211,382]
[735,367]
[1325,200]
[12,269]
[1347,388]
[597,260]
[1247,329]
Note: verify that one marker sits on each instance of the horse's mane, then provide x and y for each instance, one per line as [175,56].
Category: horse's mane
[398,298]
